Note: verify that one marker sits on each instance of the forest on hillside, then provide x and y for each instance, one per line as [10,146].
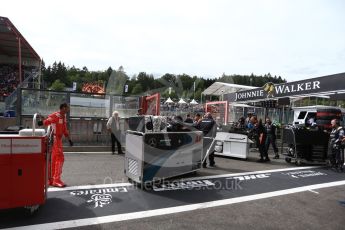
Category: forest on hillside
[58,76]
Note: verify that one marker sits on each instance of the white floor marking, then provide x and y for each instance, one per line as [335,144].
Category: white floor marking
[314,191]
[88,187]
[178,209]
[51,189]
[106,152]
[253,172]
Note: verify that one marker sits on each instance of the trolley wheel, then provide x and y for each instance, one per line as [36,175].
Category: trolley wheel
[288,159]
[298,162]
[291,151]
[31,210]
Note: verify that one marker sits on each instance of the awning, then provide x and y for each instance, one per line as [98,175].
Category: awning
[193,102]
[168,101]
[221,88]
[9,39]
[181,101]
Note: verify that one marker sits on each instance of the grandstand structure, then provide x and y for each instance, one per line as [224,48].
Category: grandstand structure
[19,64]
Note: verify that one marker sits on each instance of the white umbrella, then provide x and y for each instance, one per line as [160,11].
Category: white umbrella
[181,101]
[169,101]
[193,102]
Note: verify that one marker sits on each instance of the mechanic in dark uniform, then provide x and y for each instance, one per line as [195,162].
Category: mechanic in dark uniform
[208,126]
[336,153]
[261,137]
[189,119]
[271,138]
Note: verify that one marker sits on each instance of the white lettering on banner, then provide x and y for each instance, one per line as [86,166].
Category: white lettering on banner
[26,146]
[244,95]
[303,174]
[293,89]
[280,89]
[5,146]
[299,87]
[316,84]
[251,177]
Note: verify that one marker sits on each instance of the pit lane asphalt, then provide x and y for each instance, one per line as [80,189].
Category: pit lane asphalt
[306,210]
[320,209]
[104,168]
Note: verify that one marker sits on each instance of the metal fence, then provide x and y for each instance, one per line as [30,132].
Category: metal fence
[88,112]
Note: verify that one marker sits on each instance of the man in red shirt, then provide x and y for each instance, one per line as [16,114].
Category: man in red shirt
[58,122]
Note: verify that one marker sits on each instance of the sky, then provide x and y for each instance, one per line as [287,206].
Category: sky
[295,39]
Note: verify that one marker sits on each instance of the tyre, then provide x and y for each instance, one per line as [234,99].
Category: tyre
[149,126]
[288,159]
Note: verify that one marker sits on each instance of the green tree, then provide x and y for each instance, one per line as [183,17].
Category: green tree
[117,81]
[57,85]
[187,81]
[182,84]
[109,71]
[198,94]
[138,89]
[145,80]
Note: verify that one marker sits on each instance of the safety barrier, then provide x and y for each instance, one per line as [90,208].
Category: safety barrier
[87,131]
[88,114]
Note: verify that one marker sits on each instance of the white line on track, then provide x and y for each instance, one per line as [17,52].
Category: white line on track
[105,152]
[253,172]
[178,209]
[314,191]
[89,187]
[185,179]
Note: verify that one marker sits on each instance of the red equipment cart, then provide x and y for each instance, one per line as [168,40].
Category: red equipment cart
[24,168]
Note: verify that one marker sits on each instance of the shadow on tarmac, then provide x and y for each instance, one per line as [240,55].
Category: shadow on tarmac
[45,214]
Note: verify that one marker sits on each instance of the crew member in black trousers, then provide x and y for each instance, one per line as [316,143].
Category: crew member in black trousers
[113,126]
[336,154]
[261,136]
[208,126]
[271,137]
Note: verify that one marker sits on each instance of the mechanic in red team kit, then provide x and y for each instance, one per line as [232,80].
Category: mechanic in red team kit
[58,122]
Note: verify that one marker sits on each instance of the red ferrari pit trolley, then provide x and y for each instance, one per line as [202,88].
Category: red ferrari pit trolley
[24,168]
